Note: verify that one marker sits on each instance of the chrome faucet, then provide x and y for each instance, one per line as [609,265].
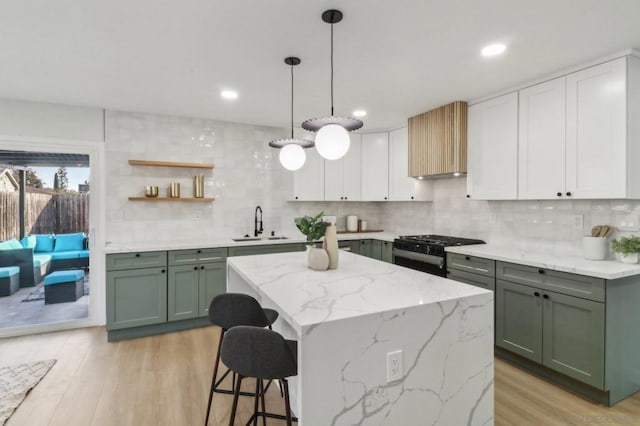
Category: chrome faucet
[257,231]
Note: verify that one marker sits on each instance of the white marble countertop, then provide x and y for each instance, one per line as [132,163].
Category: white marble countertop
[228,242]
[607,269]
[360,286]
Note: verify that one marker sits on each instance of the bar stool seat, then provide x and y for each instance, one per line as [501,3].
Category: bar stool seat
[230,310]
[254,352]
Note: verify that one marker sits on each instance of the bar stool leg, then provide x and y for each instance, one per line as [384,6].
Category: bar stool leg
[213,379]
[255,403]
[264,407]
[236,394]
[286,401]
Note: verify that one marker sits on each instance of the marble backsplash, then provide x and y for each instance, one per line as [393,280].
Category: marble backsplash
[247,173]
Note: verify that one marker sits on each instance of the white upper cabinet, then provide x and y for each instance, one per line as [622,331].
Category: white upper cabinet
[492,144]
[375,167]
[597,132]
[342,176]
[401,186]
[308,182]
[541,142]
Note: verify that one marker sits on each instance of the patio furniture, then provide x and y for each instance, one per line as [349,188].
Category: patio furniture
[63,286]
[9,280]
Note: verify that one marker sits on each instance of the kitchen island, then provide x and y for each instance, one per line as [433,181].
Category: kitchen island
[347,322]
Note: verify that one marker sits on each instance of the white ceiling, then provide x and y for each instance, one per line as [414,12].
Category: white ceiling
[394,59]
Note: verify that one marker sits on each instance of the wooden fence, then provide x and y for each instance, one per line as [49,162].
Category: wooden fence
[44,214]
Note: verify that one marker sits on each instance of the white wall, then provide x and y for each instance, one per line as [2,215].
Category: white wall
[51,121]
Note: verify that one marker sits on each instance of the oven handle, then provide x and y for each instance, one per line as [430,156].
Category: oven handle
[420,257]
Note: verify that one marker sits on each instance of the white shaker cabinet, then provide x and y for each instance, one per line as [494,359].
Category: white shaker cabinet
[401,186]
[492,139]
[342,176]
[308,181]
[375,167]
[541,142]
[596,165]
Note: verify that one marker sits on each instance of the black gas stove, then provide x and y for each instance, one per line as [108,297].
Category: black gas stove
[426,252]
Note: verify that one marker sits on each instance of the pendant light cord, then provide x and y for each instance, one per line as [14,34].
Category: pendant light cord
[291,101]
[332,70]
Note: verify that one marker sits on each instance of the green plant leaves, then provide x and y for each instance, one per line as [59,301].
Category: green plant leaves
[626,245]
[313,227]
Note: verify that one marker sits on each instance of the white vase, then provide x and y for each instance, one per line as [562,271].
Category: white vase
[629,258]
[330,244]
[317,259]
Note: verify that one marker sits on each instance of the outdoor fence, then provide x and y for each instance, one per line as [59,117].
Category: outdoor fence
[44,214]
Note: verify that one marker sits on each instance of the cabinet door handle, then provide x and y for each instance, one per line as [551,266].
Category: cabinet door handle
[296,198]
[163,271]
[541,271]
[195,268]
[568,194]
[202,267]
[468,196]
[559,194]
[385,198]
[199,251]
[545,296]
[536,294]
[345,198]
[412,197]
[137,254]
[467,258]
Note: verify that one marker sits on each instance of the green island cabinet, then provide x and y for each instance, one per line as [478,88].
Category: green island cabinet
[577,330]
[472,270]
[195,277]
[136,289]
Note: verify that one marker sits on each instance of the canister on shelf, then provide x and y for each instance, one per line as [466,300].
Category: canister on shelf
[198,186]
[352,223]
[174,190]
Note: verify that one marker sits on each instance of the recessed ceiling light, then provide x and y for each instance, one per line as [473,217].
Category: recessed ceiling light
[493,49]
[229,94]
[359,113]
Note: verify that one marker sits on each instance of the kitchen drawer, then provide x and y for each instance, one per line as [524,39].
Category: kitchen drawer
[136,260]
[471,278]
[189,257]
[265,249]
[477,265]
[561,282]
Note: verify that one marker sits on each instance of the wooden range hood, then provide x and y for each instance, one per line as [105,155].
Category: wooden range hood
[438,142]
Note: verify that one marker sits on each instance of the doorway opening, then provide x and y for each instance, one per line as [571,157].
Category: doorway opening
[45,234]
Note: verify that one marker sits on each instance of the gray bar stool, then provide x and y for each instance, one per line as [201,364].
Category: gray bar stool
[264,355]
[230,310]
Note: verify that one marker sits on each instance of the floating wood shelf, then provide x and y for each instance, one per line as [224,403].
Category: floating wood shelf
[171,164]
[200,200]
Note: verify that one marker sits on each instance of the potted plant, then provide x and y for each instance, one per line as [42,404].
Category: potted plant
[314,229]
[627,247]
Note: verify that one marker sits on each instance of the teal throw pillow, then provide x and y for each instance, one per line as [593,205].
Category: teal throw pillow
[11,244]
[69,242]
[29,241]
[44,243]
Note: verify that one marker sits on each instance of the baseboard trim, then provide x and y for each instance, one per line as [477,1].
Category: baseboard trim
[150,330]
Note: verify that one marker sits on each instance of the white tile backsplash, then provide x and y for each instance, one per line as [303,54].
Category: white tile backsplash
[247,173]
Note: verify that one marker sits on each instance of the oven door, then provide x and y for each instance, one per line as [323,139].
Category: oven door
[420,262]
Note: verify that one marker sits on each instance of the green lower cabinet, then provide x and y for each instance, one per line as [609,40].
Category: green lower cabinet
[355,246]
[136,297]
[387,252]
[471,278]
[365,248]
[376,249]
[519,319]
[183,292]
[212,282]
[573,337]
[191,288]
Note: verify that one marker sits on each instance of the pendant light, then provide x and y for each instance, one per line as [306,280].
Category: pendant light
[292,155]
[332,140]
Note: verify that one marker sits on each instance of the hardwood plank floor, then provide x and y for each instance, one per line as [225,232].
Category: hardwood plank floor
[164,380]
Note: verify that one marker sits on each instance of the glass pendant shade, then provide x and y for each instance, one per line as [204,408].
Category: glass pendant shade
[292,156]
[332,141]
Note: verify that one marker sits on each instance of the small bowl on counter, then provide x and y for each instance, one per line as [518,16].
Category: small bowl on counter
[151,191]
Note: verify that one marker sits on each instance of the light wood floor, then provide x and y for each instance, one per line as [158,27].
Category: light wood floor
[164,380]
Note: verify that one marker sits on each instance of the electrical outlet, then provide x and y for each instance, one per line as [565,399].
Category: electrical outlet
[394,366]
[577,221]
[629,223]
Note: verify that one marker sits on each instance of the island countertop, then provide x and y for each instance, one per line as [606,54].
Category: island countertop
[359,286]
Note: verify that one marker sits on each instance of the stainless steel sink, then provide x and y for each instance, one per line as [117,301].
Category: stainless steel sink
[278,238]
[247,239]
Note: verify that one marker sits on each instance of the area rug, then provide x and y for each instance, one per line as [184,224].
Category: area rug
[15,383]
[38,292]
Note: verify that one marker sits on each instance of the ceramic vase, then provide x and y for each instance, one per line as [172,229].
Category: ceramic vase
[629,258]
[317,258]
[330,244]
